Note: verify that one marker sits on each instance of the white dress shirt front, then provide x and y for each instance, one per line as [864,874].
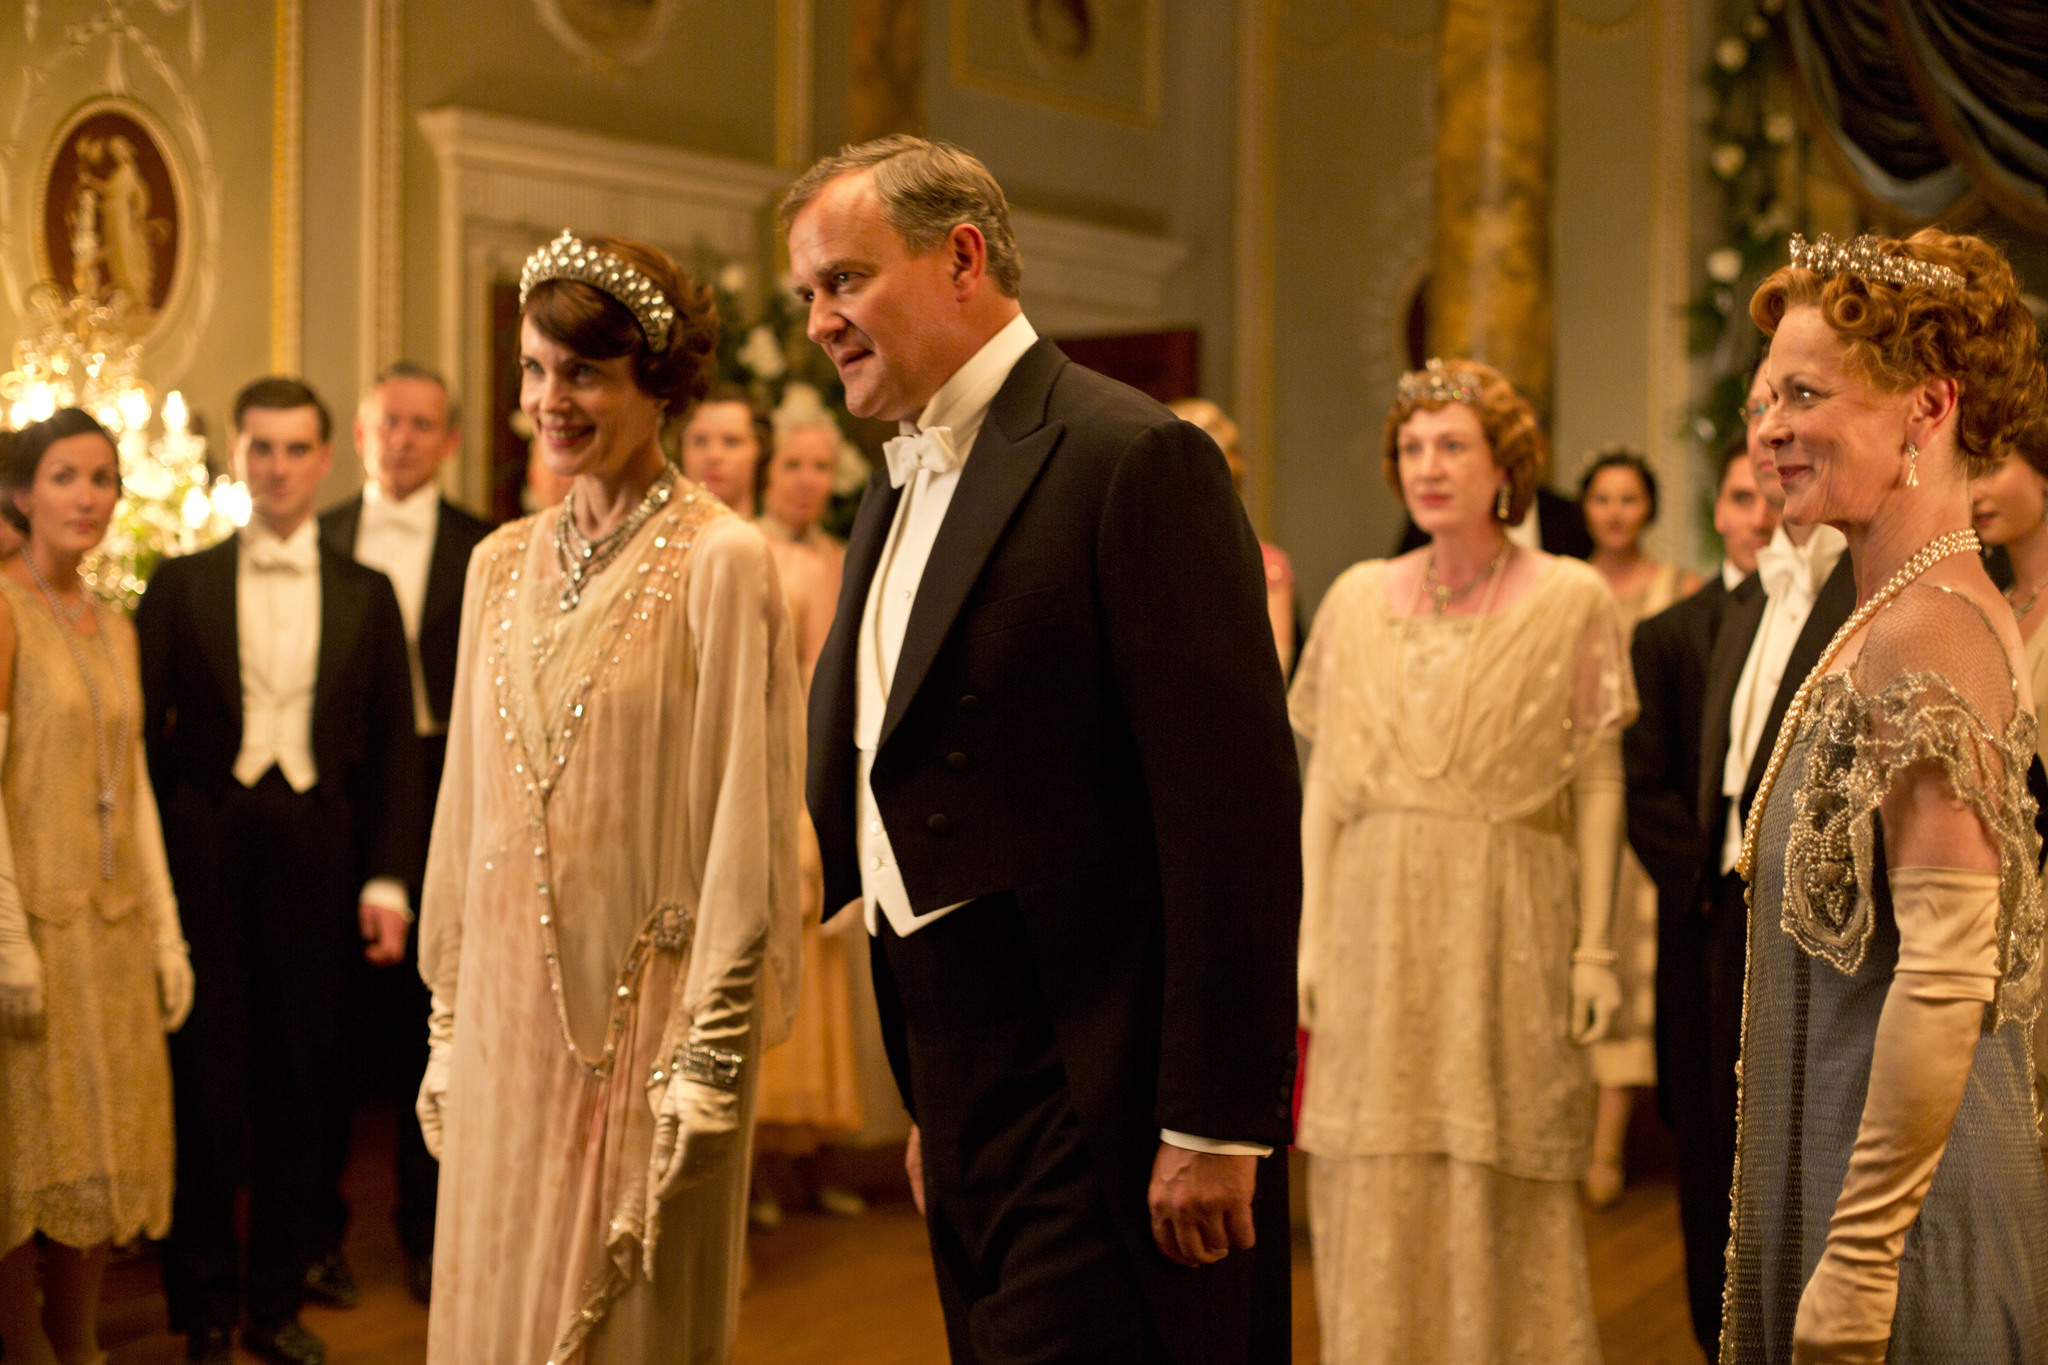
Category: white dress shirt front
[961,405]
[277,632]
[1792,578]
[277,624]
[396,538]
[1731,577]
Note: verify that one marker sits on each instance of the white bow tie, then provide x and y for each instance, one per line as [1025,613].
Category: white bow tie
[930,449]
[283,556]
[414,514]
[1780,569]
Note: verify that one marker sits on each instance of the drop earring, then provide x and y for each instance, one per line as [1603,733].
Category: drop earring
[1500,503]
[1912,465]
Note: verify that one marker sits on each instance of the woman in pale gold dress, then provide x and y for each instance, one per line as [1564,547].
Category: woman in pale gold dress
[1618,495]
[93,968]
[610,922]
[1461,826]
[810,1086]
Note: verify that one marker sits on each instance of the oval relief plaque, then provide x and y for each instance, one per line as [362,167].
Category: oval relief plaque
[110,213]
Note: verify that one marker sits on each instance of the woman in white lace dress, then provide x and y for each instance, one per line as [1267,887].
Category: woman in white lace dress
[1461,830]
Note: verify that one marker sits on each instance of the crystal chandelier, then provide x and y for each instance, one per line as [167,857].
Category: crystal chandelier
[171,504]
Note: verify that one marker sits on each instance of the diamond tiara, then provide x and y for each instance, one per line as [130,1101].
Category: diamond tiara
[1867,259]
[570,258]
[1437,382]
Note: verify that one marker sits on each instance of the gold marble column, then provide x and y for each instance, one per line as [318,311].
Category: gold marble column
[886,93]
[1496,113]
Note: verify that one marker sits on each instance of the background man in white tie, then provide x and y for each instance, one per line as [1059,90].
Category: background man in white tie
[1049,752]
[279,723]
[406,427]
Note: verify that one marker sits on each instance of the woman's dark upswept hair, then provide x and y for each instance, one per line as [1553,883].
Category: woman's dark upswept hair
[22,454]
[1629,458]
[597,326]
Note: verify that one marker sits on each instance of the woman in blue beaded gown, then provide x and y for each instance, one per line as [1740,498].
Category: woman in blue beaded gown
[610,921]
[1890,1202]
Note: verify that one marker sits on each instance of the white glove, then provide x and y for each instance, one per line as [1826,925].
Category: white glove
[174,982]
[21,967]
[1596,999]
[694,1129]
[433,1097]
[173,959]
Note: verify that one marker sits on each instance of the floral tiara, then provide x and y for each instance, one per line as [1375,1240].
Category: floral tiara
[1437,382]
[1866,258]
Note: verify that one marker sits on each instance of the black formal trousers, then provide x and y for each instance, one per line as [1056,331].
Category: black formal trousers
[1030,1265]
[254,1070]
[1699,998]
[387,1026]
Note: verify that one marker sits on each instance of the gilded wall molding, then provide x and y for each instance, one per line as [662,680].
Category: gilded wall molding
[287,186]
[380,266]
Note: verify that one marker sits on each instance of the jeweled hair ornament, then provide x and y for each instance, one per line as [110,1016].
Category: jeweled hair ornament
[568,257]
[1437,382]
[1867,259]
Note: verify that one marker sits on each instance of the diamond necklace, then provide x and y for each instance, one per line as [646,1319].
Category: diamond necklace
[1443,597]
[1943,546]
[1430,772]
[108,769]
[582,558]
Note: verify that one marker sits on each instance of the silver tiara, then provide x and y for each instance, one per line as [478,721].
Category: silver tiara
[1437,382]
[1867,259]
[570,258]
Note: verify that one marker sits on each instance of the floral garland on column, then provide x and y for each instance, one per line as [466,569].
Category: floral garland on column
[1752,137]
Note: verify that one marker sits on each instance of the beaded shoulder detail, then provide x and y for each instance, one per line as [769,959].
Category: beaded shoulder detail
[1859,746]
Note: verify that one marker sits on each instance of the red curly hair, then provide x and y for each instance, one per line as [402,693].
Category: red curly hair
[1897,336]
[1513,436]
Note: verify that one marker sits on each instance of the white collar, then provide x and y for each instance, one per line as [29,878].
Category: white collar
[1782,564]
[304,540]
[416,508]
[1731,577]
[962,402]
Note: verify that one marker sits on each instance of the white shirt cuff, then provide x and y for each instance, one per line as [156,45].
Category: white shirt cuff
[387,893]
[1212,1145]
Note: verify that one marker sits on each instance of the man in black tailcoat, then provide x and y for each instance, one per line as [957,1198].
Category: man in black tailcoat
[400,524]
[278,721]
[1049,755]
[1670,654]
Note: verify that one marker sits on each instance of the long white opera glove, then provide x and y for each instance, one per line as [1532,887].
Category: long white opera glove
[1598,789]
[433,1097]
[697,1121]
[173,958]
[1920,1063]
[21,967]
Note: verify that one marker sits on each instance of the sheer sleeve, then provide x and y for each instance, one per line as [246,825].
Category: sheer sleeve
[1317,686]
[1932,686]
[448,849]
[1603,683]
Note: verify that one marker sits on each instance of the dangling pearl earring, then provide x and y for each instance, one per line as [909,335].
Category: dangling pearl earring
[1500,503]
[1912,465]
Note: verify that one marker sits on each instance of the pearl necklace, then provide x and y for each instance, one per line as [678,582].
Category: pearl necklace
[1943,546]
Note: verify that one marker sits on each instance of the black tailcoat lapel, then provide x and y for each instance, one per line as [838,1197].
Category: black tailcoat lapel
[1739,622]
[341,620]
[1008,452]
[215,620]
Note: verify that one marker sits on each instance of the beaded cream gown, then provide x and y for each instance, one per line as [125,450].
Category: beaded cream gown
[1447,1113]
[1628,1054]
[613,864]
[85,1132]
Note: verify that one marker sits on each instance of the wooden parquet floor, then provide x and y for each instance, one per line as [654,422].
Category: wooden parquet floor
[859,1291]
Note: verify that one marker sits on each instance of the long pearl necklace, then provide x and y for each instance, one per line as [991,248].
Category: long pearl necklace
[108,766]
[1943,546]
[1430,772]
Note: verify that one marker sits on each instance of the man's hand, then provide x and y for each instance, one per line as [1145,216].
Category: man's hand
[1201,1204]
[913,1166]
[384,931]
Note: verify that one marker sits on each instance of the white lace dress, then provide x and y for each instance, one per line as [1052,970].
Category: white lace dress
[1447,1114]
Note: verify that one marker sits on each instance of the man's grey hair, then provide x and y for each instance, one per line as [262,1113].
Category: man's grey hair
[927,189]
[412,369]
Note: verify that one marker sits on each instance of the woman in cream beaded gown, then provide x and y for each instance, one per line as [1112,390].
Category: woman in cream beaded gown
[93,967]
[2009,507]
[610,921]
[1890,1203]
[1461,829]
[1618,495]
